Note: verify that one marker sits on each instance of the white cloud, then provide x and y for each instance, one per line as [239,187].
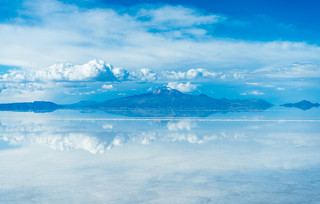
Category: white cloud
[17,92]
[56,32]
[187,87]
[143,74]
[94,70]
[107,86]
[255,92]
[175,17]
[252,83]
[190,74]
[120,73]
[237,75]
[297,70]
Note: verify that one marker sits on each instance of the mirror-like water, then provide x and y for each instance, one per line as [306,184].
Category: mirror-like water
[72,157]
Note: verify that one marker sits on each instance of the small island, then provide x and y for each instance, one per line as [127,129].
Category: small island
[303,105]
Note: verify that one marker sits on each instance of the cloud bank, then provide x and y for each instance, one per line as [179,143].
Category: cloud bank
[99,70]
[162,37]
[92,71]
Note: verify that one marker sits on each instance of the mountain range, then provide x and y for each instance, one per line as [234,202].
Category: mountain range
[161,102]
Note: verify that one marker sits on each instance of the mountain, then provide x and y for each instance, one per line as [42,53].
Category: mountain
[159,103]
[164,101]
[36,106]
[303,105]
[80,105]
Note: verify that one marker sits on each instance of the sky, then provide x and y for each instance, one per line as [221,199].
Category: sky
[66,51]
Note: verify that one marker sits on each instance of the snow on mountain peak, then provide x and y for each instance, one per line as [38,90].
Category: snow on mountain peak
[164,90]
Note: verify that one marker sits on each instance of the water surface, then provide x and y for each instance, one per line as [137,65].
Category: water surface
[73,157]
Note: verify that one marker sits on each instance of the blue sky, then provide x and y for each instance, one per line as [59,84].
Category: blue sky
[226,48]
[269,19]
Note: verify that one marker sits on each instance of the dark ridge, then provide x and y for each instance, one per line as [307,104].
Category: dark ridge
[36,106]
[303,105]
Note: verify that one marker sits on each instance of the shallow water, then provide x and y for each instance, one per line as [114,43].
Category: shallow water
[73,157]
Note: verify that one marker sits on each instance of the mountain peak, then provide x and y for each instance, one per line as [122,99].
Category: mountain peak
[164,90]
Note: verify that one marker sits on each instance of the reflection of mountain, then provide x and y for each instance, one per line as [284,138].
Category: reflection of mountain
[139,112]
[98,136]
[161,102]
[303,105]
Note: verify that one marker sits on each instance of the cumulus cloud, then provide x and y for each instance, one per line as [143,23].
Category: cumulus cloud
[183,87]
[98,70]
[120,73]
[143,75]
[94,70]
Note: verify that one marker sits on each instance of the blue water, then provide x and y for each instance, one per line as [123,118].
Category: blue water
[73,157]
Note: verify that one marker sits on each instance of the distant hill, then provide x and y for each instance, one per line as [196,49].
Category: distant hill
[36,106]
[303,105]
[80,105]
[161,102]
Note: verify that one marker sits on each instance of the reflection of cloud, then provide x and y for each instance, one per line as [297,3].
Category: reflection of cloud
[180,125]
[186,171]
[107,126]
[291,138]
[97,136]
[192,138]
[117,141]
[55,137]
[61,142]
[148,137]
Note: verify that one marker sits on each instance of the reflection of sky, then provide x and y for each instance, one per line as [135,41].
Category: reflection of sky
[48,159]
[101,134]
